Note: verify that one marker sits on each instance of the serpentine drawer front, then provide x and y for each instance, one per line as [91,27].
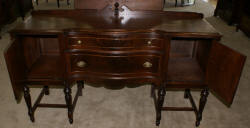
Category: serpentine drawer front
[87,63]
[115,55]
[114,43]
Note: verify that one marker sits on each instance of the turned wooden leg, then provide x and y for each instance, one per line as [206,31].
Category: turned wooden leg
[68,2]
[68,99]
[36,2]
[80,85]
[161,96]
[27,98]
[46,90]
[186,93]
[203,100]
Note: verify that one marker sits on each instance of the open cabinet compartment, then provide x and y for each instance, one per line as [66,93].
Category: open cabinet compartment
[199,63]
[34,60]
[187,63]
[42,57]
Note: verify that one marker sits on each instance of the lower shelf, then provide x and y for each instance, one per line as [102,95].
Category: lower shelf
[185,72]
[47,67]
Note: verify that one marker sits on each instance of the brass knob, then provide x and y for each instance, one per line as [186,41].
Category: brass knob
[147,65]
[81,64]
[149,42]
[79,42]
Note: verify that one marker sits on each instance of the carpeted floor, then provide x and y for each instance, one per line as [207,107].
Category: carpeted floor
[130,108]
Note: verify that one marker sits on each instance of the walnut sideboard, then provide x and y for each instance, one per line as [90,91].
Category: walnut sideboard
[115,48]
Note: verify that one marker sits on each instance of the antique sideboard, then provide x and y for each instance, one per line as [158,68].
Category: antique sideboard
[116,48]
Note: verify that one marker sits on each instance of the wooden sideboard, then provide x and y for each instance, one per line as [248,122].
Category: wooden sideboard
[116,48]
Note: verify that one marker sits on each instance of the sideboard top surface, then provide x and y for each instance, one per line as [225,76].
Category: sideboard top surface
[57,21]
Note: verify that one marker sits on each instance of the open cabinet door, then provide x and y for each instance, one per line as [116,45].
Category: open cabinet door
[224,71]
[16,68]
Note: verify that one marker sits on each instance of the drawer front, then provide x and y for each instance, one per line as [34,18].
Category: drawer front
[148,43]
[78,42]
[113,43]
[114,64]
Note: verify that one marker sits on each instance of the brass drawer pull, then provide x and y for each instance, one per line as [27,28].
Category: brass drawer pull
[149,42]
[81,64]
[147,65]
[79,42]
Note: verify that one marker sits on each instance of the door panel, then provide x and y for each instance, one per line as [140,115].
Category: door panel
[16,67]
[224,71]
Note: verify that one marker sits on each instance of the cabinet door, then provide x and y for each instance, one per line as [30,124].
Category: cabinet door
[224,71]
[16,67]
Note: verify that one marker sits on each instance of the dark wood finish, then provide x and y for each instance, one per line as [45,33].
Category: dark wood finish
[203,100]
[220,71]
[198,112]
[131,42]
[47,67]
[32,109]
[128,52]
[117,49]
[28,102]
[160,101]
[80,86]
[122,64]
[223,71]
[16,67]
[52,105]
[68,99]
[190,73]
[177,109]
[190,97]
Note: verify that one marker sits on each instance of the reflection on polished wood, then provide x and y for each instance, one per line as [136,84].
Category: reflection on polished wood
[117,48]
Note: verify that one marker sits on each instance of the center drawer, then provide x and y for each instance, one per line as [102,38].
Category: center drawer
[112,43]
[114,64]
